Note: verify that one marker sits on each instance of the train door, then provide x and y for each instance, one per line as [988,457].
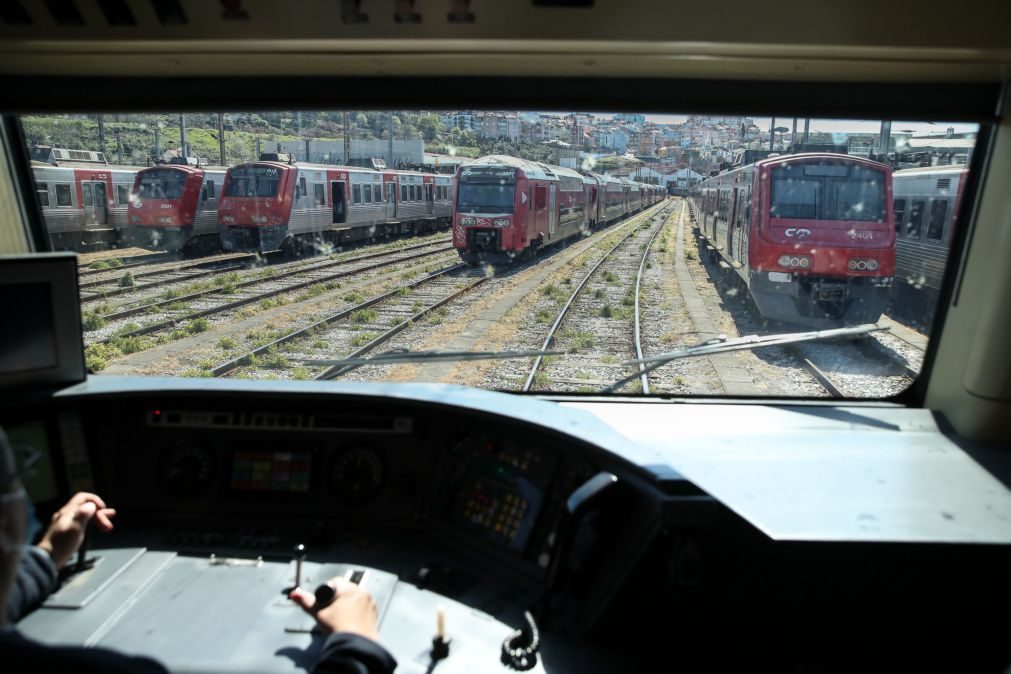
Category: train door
[591,207]
[391,200]
[734,206]
[540,206]
[95,203]
[338,197]
[552,209]
[429,198]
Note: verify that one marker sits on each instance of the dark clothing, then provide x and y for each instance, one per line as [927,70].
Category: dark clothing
[345,653]
[22,655]
[35,581]
[342,653]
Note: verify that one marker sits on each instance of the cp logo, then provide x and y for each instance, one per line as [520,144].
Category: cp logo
[798,232]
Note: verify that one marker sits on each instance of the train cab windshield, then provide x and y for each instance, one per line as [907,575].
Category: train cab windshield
[161,184]
[484,198]
[651,237]
[254,181]
[828,192]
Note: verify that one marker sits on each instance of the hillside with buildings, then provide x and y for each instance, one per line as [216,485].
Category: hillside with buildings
[675,155]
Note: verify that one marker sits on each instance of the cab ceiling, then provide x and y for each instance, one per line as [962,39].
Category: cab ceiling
[792,39]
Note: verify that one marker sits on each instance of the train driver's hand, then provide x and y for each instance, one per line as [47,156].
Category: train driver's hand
[353,610]
[66,530]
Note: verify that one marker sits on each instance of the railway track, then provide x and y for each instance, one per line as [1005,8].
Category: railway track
[114,274]
[861,367]
[365,325]
[592,336]
[264,285]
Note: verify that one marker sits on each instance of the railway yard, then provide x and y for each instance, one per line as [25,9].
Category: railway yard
[638,288]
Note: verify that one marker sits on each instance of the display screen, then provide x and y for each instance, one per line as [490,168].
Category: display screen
[32,346]
[502,494]
[40,480]
[276,472]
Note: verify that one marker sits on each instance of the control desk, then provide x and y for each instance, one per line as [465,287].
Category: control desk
[458,511]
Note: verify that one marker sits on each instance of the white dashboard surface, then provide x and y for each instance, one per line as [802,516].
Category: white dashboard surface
[831,473]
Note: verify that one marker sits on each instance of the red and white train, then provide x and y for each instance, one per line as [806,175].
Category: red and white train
[926,203]
[809,235]
[175,208]
[275,204]
[507,208]
[83,204]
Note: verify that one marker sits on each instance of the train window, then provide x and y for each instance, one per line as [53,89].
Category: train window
[899,212]
[403,192]
[367,193]
[122,195]
[915,223]
[319,194]
[301,191]
[88,197]
[541,196]
[63,195]
[356,192]
[935,224]
[253,181]
[210,189]
[43,190]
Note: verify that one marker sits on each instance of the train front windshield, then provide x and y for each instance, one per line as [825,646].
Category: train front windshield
[633,240]
[166,184]
[255,181]
[828,192]
[485,198]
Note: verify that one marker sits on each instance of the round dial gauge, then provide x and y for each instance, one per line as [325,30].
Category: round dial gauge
[187,469]
[357,476]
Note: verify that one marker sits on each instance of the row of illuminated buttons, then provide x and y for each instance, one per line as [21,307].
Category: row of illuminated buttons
[263,485]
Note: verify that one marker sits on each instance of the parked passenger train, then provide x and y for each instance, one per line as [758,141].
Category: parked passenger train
[175,208]
[809,235]
[926,203]
[507,208]
[274,203]
[83,205]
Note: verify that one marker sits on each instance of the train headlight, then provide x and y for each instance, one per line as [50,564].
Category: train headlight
[260,219]
[467,221]
[860,264]
[228,219]
[134,218]
[501,222]
[795,261]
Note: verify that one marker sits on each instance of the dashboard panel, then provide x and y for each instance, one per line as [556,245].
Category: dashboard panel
[444,502]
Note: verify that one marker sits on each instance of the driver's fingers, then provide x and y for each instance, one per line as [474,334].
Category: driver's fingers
[85,497]
[302,598]
[104,518]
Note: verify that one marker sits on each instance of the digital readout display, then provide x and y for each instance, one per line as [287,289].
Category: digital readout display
[278,472]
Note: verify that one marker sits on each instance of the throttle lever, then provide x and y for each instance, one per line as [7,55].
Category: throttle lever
[577,504]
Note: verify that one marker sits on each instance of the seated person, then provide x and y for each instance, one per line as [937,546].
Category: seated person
[28,574]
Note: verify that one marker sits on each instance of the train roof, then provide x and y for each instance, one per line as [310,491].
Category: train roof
[532,169]
[804,156]
[332,167]
[184,168]
[931,170]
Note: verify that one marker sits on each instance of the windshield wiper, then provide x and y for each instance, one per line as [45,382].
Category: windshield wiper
[345,365]
[721,345]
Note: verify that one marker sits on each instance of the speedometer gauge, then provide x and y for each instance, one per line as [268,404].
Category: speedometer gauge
[357,476]
[186,469]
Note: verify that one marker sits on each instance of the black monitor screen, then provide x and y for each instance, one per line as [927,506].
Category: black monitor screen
[31,345]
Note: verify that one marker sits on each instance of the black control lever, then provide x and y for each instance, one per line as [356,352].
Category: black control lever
[576,505]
